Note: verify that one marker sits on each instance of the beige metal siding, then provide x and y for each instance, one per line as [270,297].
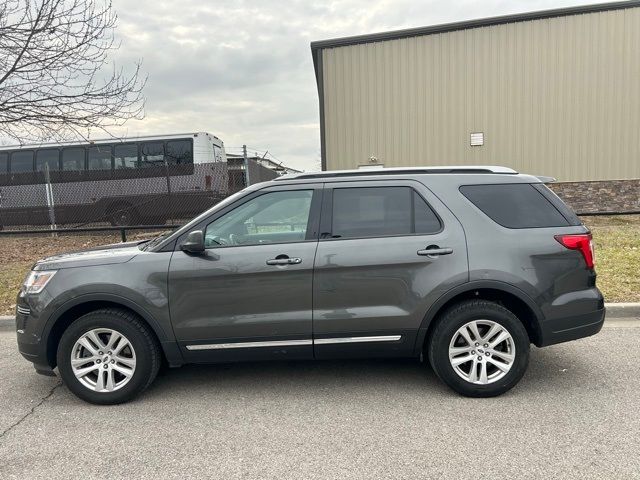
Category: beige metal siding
[557,97]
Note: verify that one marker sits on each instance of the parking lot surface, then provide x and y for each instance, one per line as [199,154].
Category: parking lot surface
[576,414]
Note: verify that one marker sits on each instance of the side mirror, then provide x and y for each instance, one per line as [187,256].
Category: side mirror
[194,242]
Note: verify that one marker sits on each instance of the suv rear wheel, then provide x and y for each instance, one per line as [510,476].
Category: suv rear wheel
[479,348]
[108,356]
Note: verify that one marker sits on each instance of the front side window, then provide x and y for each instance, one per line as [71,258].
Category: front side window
[152,154]
[381,211]
[100,157]
[275,217]
[47,158]
[73,159]
[179,152]
[4,162]
[22,161]
[126,156]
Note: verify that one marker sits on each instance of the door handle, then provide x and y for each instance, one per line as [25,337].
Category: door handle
[434,251]
[284,260]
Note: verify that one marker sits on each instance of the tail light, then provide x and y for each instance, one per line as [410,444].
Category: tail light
[582,242]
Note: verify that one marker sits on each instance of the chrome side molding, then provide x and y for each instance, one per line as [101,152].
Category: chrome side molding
[296,343]
[378,338]
[274,343]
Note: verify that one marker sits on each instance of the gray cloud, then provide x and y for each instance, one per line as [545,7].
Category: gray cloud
[242,70]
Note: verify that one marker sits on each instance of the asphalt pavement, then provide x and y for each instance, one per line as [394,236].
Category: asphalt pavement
[575,414]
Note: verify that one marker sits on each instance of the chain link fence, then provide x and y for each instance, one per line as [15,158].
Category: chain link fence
[153,196]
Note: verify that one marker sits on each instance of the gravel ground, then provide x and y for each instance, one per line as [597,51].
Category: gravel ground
[574,415]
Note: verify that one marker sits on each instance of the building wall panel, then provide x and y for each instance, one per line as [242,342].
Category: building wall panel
[556,96]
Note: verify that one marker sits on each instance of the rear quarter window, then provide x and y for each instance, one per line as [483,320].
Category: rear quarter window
[516,205]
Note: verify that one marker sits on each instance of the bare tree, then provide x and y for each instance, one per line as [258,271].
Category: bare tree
[55,77]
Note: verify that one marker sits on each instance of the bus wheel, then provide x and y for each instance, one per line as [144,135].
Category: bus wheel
[122,215]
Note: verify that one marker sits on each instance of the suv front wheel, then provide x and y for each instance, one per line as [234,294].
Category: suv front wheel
[479,348]
[108,356]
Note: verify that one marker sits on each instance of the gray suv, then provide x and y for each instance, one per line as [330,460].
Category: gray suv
[465,266]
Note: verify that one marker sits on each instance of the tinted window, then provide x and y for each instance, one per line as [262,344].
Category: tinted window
[274,217]
[22,161]
[4,162]
[179,152]
[426,221]
[380,211]
[562,207]
[73,158]
[514,205]
[49,157]
[100,157]
[152,154]
[126,156]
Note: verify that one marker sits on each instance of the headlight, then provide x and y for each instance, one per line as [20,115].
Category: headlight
[36,281]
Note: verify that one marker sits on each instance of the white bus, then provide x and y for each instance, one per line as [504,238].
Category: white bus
[128,181]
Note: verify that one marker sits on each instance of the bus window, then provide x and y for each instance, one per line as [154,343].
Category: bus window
[22,161]
[73,158]
[152,154]
[4,163]
[100,157]
[126,156]
[48,157]
[217,153]
[179,152]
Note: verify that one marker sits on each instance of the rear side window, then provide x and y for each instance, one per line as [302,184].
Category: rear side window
[518,205]
[381,211]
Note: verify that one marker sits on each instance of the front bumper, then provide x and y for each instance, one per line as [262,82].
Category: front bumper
[30,343]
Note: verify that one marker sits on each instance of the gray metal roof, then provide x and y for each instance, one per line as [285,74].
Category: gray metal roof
[476,23]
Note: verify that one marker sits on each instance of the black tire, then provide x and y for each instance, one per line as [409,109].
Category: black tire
[147,354]
[123,215]
[447,326]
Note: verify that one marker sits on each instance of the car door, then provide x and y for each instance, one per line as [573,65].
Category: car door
[387,251]
[249,294]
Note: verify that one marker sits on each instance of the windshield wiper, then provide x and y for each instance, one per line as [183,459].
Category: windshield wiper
[147,244]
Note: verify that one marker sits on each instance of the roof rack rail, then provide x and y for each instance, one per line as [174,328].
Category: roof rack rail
[399,171]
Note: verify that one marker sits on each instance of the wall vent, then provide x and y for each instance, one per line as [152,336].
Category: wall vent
[477,139]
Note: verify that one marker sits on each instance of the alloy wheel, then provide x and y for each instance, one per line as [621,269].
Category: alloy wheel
[103,360]
[482,352]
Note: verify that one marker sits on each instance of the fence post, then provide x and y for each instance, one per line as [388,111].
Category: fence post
[123,234]
[50,202]
[246,166]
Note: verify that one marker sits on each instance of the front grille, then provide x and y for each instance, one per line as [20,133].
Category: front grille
[23,310]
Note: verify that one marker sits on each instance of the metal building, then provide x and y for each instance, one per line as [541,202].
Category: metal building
[554,93]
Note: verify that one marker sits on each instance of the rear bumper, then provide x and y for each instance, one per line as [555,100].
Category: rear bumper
[571,328]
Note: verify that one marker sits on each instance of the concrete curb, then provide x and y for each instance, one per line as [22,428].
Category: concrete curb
[623,310]
[7,323]
[615,311]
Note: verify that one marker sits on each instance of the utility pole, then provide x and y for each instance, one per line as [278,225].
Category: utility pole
[246,166]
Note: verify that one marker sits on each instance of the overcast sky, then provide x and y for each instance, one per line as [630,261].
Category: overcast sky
[242,70]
